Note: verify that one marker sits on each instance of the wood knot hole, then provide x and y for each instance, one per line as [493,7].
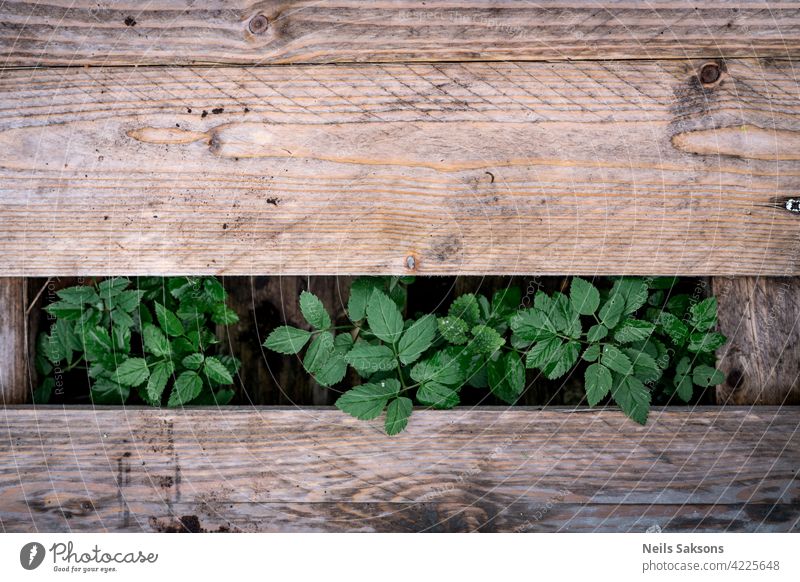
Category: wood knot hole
[258,24]
[709,73]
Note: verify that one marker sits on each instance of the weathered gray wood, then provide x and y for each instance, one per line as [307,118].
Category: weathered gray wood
[13,348]
[81,32]
[550,168]
[257,469]
[761,317]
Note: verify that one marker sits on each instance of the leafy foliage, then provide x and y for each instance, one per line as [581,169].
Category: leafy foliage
[157,338]
[633,339]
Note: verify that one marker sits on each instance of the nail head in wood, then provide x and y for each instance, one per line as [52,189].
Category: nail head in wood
[259,24]
[411,263]
[709,73]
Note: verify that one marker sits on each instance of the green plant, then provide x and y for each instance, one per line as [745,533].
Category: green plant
[156,335]
[632,336]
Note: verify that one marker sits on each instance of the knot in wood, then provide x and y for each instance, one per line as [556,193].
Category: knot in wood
[258,24]
[709,73]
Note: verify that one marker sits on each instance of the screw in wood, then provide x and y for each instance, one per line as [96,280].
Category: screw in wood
[258,24]
[411,263]
[709,73]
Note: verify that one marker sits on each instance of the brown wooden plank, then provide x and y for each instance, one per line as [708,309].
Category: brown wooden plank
[262,469]
[761,317]
[549,168]
[248,32]
[13,348]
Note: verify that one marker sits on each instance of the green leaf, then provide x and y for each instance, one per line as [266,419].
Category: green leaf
[132,372]
[565,360]
[214,289]
[128,300]
[532,325]
[78,295]
[443,367]
[634,291]
[397,415]
[644,365]
[612,310]
[543,352]
[453,329]
[633,330]
[707,376]
[193,361]
[584,296]
[65,310]
[287,339]
[507,377]
[596,333]
[187,387]
[598,383]
[105,391]
[673,327]
[466,307]
[416,339]
[684,387]
[614,359]
[486,340]
[368,359]
[706,343]
[155,341]
[314,311]
[437,395]
[360,292]
[168,321]
[506,301]
[97,344]
[216,372]
[44,392]
[335,368]
[319,352]
[384,318]
[112,287]
[592,353]
[704,314]
[159,376]
[223,315]
[633,398]
[367,401]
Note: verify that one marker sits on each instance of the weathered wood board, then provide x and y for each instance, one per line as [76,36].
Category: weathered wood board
[551,168]
[256,469]
[248,32]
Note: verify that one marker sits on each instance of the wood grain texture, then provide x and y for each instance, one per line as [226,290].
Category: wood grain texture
[761,317]
[13,347]
[285,31]
[268,469]
[548,168]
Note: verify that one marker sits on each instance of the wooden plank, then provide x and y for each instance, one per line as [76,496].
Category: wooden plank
[761,317]
[550,168]
[13,348]
[267,469]
[249,32]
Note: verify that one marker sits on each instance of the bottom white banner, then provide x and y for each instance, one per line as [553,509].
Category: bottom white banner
[388,557]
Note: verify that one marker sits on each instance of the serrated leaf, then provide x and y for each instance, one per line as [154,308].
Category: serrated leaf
[223,315]
[367,359]
[564,361]
[615,360]
[384,318]
[416,339]
[367,401]
[704,314]
[673,327]
[633,330]
[335,368]
[633,398]
[644,365]
[397,415]
[707,376]
[634,291]
[216,372]
[684,387]
[612,310]
[168,321]
[507,377]
[486,340]
[596,333]
[584,296]
[112,287]
[97,343]
[155,341]
[360,292]
[543,352]
[159,376]
[442,367]
[193,361]
[592,353]
[128,300]
[65,310]
[78,295]
[214,289]
[532,325]
[706,343]
[598,383]
[187,387]
[319,352]
[466,307]
[682,368]
[314,311]
[453,329]
[132,372]
[287,339]
[105,391]
[437,395]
